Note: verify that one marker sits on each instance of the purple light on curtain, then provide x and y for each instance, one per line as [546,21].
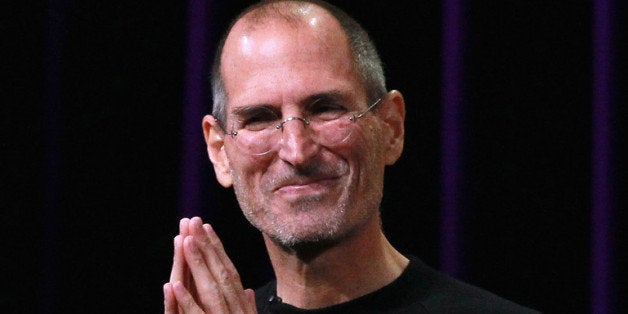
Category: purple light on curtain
[52,168]
[601,194]
[195,100]
[451,137]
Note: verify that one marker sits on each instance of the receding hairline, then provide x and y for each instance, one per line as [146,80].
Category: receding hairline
[291,12]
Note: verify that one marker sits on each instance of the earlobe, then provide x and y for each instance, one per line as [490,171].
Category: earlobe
[214,139]
[393,114]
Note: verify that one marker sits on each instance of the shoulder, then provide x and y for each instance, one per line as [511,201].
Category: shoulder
[419,289]
[449,295]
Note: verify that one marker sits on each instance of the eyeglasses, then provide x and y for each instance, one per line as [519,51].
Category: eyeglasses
[260,130]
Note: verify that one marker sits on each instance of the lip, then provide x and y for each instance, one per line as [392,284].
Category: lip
[304,187]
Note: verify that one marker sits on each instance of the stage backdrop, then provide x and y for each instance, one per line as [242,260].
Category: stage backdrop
[512,178]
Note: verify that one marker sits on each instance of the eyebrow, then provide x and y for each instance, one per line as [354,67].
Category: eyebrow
[334,95]
[247,110]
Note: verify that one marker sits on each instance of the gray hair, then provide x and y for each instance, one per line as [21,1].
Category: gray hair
[365,57]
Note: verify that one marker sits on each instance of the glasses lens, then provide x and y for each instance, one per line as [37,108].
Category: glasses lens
[327,133]
[333,132]
[266,135]
[256,142]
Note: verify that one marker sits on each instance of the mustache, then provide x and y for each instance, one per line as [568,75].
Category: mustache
[311,172]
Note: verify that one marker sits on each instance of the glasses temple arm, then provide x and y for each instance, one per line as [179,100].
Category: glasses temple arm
[361,114]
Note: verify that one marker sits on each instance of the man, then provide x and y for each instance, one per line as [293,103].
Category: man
[302,128]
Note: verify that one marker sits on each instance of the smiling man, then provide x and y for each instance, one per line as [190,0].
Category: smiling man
[303,128]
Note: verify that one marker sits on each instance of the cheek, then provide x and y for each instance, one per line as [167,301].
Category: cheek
[367,147]
[246,170]
[365,156]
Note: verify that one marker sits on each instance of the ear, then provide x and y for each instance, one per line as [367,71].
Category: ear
[214,138]
[392,112]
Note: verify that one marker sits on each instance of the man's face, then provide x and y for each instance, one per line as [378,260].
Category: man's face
[301,191]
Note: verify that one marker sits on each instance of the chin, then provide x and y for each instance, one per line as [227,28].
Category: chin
[306,239]
[310,219]
[292,238]
[293,233]
[306,249]
[301,228]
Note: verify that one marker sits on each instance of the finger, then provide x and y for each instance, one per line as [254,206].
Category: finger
[178,261]
[170,301]
[251,307]
[183,227]
[210,292]
[220,250]
[185,300]
[221,267]
[222,255]
[185,276]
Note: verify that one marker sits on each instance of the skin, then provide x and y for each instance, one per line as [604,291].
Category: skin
[199,254]
[303,192]
[279,66]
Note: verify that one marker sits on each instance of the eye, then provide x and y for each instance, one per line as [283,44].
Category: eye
[258,119]
[326,109]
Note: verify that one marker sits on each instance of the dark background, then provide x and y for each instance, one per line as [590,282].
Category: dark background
[92,141]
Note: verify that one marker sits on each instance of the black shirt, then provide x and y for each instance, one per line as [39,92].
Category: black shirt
[419,289]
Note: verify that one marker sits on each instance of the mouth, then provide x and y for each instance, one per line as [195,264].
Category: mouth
[302,187]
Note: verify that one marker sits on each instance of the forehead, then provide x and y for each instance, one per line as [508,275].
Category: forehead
[280,59]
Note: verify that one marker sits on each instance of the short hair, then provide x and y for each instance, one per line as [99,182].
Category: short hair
[364,54]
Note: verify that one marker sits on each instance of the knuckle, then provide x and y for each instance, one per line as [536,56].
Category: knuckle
[228,276]
[224,276]
[212,288]
[206,244]
[198,261]
[235,275]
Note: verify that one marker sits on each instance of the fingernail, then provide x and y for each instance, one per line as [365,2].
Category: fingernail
[209,229]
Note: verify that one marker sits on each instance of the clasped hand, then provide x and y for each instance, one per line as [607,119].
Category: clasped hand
[203,278]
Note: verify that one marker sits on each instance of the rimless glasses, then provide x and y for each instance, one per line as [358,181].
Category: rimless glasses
[259,129]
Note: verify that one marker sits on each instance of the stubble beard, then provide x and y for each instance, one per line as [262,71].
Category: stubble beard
[308,230]
[311,222]
[308,221]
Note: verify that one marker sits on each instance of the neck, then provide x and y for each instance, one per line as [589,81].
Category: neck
[336,273]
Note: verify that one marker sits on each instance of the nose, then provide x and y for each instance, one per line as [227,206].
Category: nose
[297,145]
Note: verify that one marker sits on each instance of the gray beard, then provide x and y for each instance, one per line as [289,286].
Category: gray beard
[330,228]
[293,237]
